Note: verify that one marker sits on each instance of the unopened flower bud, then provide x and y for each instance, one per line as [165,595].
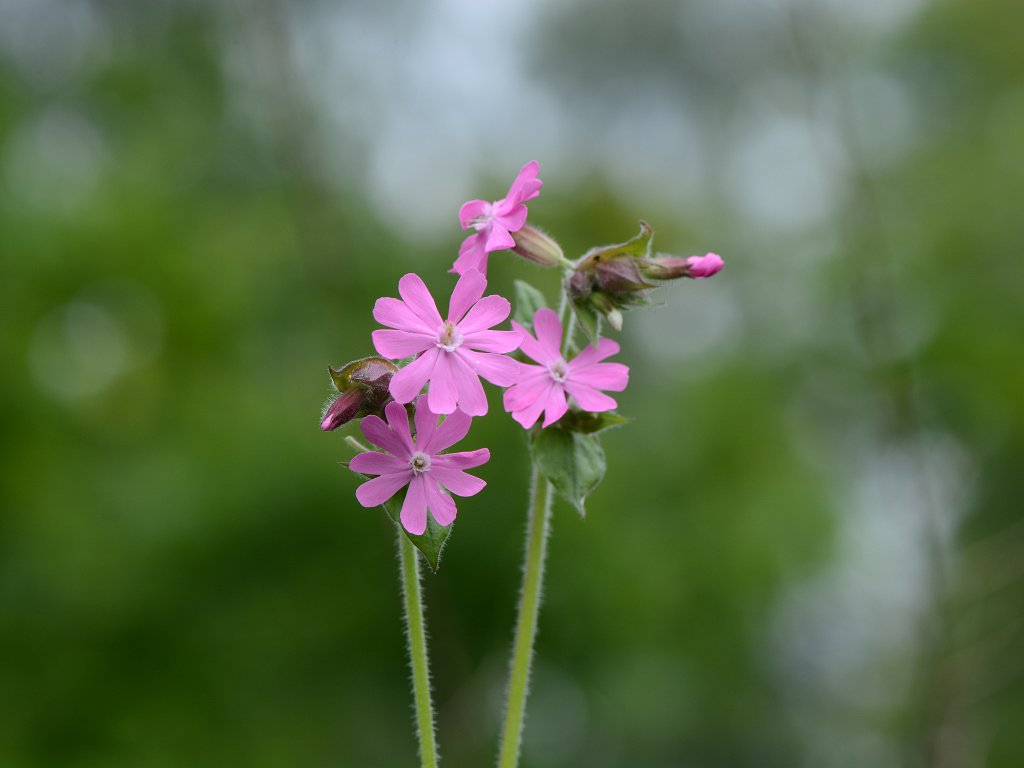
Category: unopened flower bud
[537,246]
[663,267]
[619,276]
[364,389]
[614,317]
[342,410]
[705,266]
[609,307]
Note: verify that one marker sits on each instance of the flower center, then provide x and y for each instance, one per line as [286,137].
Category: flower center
[484,219]
[420,463]
[557,370]
[448,337]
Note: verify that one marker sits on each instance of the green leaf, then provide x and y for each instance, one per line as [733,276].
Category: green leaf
[571,461]
[589,320]
[431,541]
[528,301]
[591,423]
[641,244]
[638,246]
[362,371]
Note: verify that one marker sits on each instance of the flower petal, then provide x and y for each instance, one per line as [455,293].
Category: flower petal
[461,460]
[468,290]
[531,410]
[379,433]
[549,332]
[487,312]
[531,347]
[472,255]
[375,492]
[532,385]
[415,294]
[398,420]
[441,505]
[499,370]
[472,210]
[452,429]
[605,348]
[374,463]
[458,482]
[513,220]
[472,399]
[589,398]
[492,341]
[555,407]
[396,314]
[426,423]
[443,395]
[399,344]
[526,185]
[498,238]
[611,376]
[414,510]
[408,381]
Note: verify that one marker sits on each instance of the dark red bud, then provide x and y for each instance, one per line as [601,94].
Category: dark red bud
[364,389]
[342,410]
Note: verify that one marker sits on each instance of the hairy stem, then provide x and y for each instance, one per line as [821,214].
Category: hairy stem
[416,635]
[526,622]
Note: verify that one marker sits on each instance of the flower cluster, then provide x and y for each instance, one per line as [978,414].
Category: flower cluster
[433,365]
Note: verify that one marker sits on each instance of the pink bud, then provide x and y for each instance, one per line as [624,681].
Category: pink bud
[705,266]
[663,267]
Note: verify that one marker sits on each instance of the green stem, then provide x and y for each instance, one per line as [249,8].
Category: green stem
[526,622]
[417,637]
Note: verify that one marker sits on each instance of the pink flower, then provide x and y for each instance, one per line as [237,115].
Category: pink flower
[417,462]
[494,222]
[705,266]
[543,387]
[452,354]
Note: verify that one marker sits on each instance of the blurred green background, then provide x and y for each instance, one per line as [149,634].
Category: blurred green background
[809,547]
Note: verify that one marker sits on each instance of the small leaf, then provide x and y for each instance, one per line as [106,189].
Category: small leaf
[590,423]
[641,244]
[637,247]
[572,462]
[365,370]
[528,301]
[430,542]
[588,320]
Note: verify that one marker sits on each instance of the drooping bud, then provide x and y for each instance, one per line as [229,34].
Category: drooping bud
[663,267]
[363,388]
[342,410]
[537,246]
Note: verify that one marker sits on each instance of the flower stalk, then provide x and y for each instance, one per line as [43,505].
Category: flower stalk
[415,632]
[526,624]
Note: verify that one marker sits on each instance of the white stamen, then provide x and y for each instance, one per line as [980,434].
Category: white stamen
[448,337]
[558,370]
[420,463]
